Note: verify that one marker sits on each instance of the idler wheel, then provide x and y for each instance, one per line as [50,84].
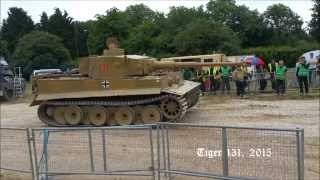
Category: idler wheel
[58,115]
[73,115]
[138,114]
[124,115]
[171,108]
[98,115]
[151,114]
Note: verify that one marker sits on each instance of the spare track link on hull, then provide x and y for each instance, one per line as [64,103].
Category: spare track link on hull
[50,109]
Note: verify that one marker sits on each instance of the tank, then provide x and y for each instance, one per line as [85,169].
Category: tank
[6,81]
[117,89]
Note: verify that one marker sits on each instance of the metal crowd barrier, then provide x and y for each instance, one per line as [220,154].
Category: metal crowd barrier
[161,151]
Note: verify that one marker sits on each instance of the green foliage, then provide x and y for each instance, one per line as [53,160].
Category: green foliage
[44,21]
[203,36]
[4,52]
[138,14]
[315,21]
[61,25]
[115,23]
[40,50]
[223,26]
[285,25]
[247,24]
[15,26]
[289,54]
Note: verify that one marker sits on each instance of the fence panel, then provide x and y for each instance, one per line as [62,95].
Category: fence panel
[182,151]
[233,152]
[15,150]
[95,151]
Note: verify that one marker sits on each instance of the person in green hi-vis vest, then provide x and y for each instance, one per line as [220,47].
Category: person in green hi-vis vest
[226,73]
[281,71]
[302,74]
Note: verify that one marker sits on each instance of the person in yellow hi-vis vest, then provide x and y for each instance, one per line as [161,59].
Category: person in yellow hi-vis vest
[216,71]
[281,71]
[272,69]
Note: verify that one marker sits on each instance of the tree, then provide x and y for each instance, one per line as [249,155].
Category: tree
[138,14]
[285,25]
[15,26]
[140,39]
[315,21]
[114,24]
[61,25]
[44,21]
[204,36]
[40,50]
[4,49]
[247,24]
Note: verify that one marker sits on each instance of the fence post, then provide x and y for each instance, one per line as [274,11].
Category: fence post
[90,150]
[45,150]
[168,151]
[158,150]
[300,153]
[104,150]
[29,139]
[35,155]
[225,152]
[163,150]
[152,154]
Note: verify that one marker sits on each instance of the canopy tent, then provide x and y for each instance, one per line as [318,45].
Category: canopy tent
[311,57]
[253,60]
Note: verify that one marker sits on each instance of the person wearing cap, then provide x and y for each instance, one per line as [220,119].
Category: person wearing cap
[303,73]
[281,71]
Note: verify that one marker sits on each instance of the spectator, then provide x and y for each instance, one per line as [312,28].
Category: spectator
[318,66]
[303,73]
[272,68]
[281,78]
[262,78]
[239,76]
[216,79]
[226,73]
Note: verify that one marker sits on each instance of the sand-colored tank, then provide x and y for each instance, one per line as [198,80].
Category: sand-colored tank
[117,89]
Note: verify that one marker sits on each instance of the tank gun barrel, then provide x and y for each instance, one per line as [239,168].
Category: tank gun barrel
[179,65]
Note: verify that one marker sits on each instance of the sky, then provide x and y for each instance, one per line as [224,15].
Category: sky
[83,10]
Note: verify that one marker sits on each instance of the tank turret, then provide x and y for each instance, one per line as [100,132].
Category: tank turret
[134,65]
[118,89]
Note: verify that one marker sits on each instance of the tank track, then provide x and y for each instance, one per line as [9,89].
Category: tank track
[184,102]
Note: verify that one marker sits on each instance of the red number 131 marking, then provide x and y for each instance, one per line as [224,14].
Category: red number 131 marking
[104,68]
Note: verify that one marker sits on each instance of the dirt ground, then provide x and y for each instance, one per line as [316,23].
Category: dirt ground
[260,110]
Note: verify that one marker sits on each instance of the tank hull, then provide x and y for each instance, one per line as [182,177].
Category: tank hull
[139,105]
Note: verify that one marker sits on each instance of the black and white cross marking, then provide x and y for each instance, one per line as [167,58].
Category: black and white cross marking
[105,84]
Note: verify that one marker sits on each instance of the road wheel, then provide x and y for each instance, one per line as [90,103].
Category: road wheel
[58,115]
[98,115]
[151,114]
[124,115]
[73,115]
[138,114]
[171,108]
[85,119]
[112,120]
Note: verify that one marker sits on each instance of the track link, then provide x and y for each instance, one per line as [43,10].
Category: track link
[184,102]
